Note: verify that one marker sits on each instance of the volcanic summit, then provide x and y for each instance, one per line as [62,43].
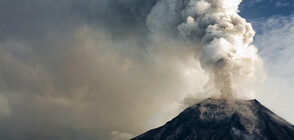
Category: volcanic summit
[223,119]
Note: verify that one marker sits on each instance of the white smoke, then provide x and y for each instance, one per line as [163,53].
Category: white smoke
[221,38]
[116,135]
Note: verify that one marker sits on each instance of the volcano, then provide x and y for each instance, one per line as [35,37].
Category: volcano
[223,119]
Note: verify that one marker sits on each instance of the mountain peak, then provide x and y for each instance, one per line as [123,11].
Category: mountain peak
[223,119]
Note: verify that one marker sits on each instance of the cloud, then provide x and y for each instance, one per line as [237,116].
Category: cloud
[120,135]
[276,47]
[92,86]
[253,2]
[281,4]
[84,70]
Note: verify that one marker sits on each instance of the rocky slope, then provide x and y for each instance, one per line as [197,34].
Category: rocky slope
[223,119]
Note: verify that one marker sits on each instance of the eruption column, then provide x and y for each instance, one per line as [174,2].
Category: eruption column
[224,38]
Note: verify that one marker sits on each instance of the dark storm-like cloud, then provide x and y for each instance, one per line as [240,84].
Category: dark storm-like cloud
[33,18]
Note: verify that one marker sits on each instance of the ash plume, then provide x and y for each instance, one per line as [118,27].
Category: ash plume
[222,38]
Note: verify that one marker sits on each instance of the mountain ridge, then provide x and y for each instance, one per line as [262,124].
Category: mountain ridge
[223,119]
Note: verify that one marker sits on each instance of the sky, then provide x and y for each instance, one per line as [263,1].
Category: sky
[273,22]
[88,69]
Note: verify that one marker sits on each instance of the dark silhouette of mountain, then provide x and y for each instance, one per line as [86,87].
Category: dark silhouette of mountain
[223,119]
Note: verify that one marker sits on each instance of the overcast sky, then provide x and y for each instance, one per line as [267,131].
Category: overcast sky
[86,69]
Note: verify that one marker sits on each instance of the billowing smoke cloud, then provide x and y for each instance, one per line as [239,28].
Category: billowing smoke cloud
[219,33]
[111,69]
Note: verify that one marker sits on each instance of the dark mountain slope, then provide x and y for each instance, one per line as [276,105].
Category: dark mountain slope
[222,119]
